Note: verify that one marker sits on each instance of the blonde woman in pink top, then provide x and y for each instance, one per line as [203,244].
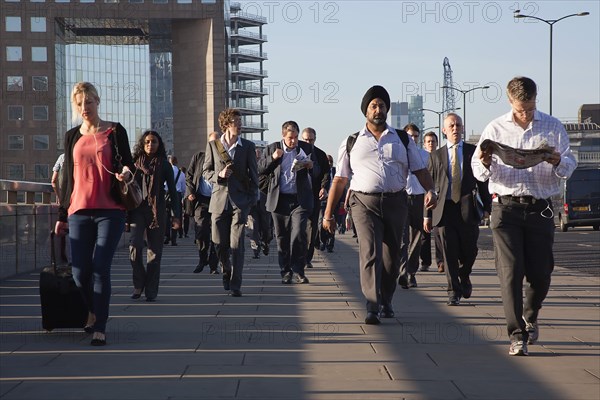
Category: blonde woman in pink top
[90,207]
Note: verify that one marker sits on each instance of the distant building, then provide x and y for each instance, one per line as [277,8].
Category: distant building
[167,65]
[415,115]
[399,114]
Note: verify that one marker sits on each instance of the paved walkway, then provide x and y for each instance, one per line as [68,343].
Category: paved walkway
[301,341]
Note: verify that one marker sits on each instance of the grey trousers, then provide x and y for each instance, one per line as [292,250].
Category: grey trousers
[523,241]
[228,236]
[379,221]
[146,278]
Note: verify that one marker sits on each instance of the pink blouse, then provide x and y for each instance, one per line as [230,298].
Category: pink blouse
[92,183]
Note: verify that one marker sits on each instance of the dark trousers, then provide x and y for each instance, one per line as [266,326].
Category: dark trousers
[289,221]
[265,221]
[523,241]
[426,247]
[411,243]
[325,238]
[459,245]
[146,278]
[228,236]
[312,231]
[206,248]
[379,221]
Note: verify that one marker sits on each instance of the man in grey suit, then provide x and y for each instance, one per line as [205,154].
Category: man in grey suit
[230,165]
[456,215]
[289,199]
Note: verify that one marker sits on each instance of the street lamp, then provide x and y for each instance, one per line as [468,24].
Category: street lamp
[439,113]
[464,93]
[551,23]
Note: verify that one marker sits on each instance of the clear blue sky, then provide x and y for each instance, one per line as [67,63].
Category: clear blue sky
[323,56]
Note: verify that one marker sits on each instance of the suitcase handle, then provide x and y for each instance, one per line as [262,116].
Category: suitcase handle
[52,253]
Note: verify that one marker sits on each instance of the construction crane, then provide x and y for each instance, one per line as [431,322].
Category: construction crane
[448,103]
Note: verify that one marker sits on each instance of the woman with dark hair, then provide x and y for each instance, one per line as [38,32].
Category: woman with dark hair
[97,155]
[152,170]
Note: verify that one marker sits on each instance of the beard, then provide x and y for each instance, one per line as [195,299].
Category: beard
[377,120]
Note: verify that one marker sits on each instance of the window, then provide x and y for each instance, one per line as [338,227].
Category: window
[13,24]
[40,113]
[16,142]
[15,172]
[15,113]
[39,54]
[14,83]
[39,83]
[14,53]
[40,172]
[38,24]
[160,1]
[41,142]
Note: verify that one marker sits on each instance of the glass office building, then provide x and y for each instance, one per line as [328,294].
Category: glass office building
[165,65]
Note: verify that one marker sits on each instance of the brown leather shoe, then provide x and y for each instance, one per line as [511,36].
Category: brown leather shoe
[441,268]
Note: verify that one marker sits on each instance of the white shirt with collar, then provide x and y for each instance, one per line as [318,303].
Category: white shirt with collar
[540,181]
[378,166]
[413,187]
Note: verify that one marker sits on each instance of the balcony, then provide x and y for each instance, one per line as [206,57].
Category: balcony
[245,73]
[254,127]
[243,55]
[247,107]
[244,19]
[245,89]
[245,37]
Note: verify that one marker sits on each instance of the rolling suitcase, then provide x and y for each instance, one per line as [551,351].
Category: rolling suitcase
[62,304]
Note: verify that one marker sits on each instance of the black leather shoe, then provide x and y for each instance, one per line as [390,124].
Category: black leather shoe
[412,281]
[387,311]
[256,255]
[286,279]
[309,265]
[150,299]
[136,296]
[214,271]
[403,281]
[199,268]
[225,283]
[372,318]
[453,300]
[467,287]
[265,249]
[236,293]
[301,279]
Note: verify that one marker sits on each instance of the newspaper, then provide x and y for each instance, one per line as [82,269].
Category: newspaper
[518,158]
[300,161]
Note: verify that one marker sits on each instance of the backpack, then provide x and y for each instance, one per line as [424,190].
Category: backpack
[401,133]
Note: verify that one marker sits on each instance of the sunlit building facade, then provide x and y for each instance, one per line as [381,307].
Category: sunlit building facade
[165,65]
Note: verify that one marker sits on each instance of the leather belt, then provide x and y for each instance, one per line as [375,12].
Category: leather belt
[518,199]
[384,194]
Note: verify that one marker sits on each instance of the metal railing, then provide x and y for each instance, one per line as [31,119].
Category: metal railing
[26,219]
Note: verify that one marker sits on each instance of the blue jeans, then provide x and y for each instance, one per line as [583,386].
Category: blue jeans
[94,236]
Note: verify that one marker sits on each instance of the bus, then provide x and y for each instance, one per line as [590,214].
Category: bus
[581,199]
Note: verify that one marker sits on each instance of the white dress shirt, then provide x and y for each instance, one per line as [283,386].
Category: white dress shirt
[540,181]
[378,166]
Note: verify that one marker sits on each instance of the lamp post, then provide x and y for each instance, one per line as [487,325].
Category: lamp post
[464,93]
[551,23]
[439,113]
